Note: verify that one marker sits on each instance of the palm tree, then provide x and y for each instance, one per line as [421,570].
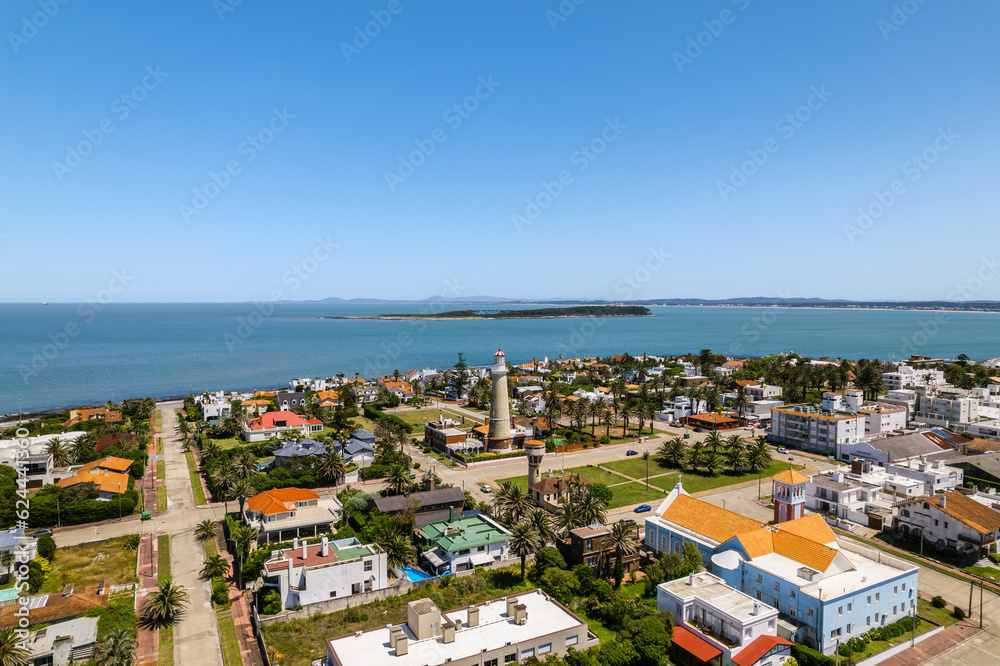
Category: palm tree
[675,452]
[511,503]
[735,442]
[593,509]
[607,418]
[210,449]
[595,410]
[650,411]
[331,466]
[568,516]
[624,541]
[398,549]
[243,490]
[116,649]
[215,567]
[59,451]
[245,463]
[760,455]
[398,479]
[165,605]
[542,524]
[523,540]
[243,536]
[738,460]
[225,479]
[695,456]
[712,463]
[83,447]
[627,411]
[11,652]
[645,456]
[206,530]
[714,442]
[741,403]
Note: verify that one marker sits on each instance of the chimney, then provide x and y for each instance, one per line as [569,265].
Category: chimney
[756,608]
[451,513]
[305,546]
[473,619]
[691,579]
[944,501]
[449,632]
[295,543]
[402,646]
[324,547]
[520,614]
[511,603]
[291,568]
[392,636]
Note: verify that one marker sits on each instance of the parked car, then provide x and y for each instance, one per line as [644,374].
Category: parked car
[697,430]
[782,450]
[748,427]
[643,508]
[630,452]
[627,521]
[486,488]
[39,533]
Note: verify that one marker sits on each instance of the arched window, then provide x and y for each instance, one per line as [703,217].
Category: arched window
[905,513]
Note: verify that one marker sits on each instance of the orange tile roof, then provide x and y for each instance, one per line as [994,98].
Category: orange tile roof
[746,382]
[802,550]
[980,518]
[760,646]
[106,473]
[811,527]
[790,476]
[59,607]
[279,500]
[714,522]
[713,417]
[802,540]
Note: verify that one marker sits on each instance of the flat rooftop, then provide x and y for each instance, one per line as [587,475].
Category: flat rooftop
[495,630]
[716,593]
[464,532]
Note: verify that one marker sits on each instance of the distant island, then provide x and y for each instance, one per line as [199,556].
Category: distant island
[539,313]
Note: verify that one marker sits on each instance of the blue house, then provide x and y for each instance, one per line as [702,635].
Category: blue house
[825,590]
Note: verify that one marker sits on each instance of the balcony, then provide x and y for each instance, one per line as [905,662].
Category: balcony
[714,635]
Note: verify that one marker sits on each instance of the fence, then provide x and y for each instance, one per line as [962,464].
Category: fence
[402,586]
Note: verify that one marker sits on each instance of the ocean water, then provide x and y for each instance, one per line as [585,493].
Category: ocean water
[60,355]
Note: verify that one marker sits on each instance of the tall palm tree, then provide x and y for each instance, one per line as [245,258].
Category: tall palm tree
[675,452]
[627,411]
[714,442]
[398,549]
[11,654]
[542,524]
[83,447]
[593,509]
[650,410]
[206,530]
[243,490]
[523,540]
[225,478]
[623,539]
[210,449]
[734,441]
[511,503]
[738,460]
[215,566]
[398,479]
[645,456]
[331,466]
[115,649]
[568,516]
[595,410]
[760,455]
[245,463]
[59,451]
[696,456]
[165,605]
[244,536]
[712,463]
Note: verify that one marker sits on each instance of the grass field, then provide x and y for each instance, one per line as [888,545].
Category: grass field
[159,446]
[210,548]
[91,563]
[163,558]
[161,470]
[596,475]
[635,493]
[227,633]
[635,467]
[989,573]
[166,649]
[161,498]
[157,420]
[199,492]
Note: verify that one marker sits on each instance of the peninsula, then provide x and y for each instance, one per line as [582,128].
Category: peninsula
[539,313]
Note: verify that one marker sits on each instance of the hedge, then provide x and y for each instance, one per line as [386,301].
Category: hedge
[375,415]
[808,657]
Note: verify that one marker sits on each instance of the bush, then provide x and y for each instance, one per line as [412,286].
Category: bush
[856,644]
[271,602]
[958,613]
[46,546]
[130,542]
[605,440]
[995,558]
[844,650]
[220,592]
[938,602]
[808,657]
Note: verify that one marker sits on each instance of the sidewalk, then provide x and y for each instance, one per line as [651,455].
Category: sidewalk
[147,639]
[239,605]
[935,645]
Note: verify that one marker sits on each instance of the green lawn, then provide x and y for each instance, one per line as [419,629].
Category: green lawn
[989,573]
[229,442]
[166,649]
[596,475]
[161,470]
[91,563]
[227,633]
[210,548]
[697,481]
[159,446]
[942,616]
[417,416]
[519,481]
[624,495]
[199,492]
[163,558]
[635,467]
[161,498]
[157,420]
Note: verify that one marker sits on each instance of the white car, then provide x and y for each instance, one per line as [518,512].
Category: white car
[486,488]
[782,450]
[748,427]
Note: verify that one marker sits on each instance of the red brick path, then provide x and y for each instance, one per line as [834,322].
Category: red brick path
[148,639]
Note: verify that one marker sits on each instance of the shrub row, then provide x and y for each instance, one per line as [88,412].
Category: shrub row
[375,415]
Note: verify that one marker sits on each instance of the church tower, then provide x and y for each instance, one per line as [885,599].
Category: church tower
[789,496]
[499,433]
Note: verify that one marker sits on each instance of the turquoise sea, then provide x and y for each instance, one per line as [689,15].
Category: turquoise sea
[59,355]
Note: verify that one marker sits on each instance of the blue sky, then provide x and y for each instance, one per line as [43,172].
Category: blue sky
[314,214]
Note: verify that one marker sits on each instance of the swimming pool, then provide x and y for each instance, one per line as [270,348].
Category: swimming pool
[8,594]
[415,575]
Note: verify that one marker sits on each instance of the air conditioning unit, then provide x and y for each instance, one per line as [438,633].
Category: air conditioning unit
[524,620]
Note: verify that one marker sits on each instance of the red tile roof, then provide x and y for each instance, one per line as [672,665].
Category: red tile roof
[280,500]
[760,646]
[269,419]
[697,646]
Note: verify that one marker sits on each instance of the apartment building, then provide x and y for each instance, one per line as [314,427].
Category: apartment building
[906,377]
[812,429]
[950,520]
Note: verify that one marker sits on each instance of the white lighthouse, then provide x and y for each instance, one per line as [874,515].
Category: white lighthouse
[499,434]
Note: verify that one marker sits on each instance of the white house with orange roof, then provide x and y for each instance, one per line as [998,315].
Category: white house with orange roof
[109,474]
[825,589]
[273,424]
[286,513]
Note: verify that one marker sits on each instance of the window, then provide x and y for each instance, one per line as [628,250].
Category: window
[904,587]
[663,542]
[759,578]
[935,521]
[464,551]
[877,595]
[895,589]
[758,595]
[368,565]
[677,610]
[589,544]
[893,610]
[572,640]
[527,654]
[835,633]
[333,594]
[747,632]
[777,586]
[868,621]
[490,662]
[840,610]
[510,658]
[791,612]
[770,624]
[792,593]
[545,649]
[848,630]
[810,612]
[849,607]
[869,600]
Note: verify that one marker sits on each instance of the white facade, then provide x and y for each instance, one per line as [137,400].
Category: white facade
[881,419]
[986,430]
[906,377]
[213,405]
[946,407]
[763,392]
[844,497]
[951,520]
[307,574]
[808,428]
[935,476]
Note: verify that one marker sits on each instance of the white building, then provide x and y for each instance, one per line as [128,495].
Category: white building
[712,618]
[286,513]
[986,430]
[501,631]
[950,520]
[307,574]
[906,377]
[948,407]
[935,476]
[213,406]
[63,643]
[763,392]
[840,497]
[812,429]
[902,398]
[881,419]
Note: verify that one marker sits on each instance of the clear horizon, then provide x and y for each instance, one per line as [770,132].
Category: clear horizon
[233,152]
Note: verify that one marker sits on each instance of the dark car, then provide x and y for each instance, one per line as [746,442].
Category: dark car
[627,521]
[630,452]
[45,532]
[697,430]
[643,508]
